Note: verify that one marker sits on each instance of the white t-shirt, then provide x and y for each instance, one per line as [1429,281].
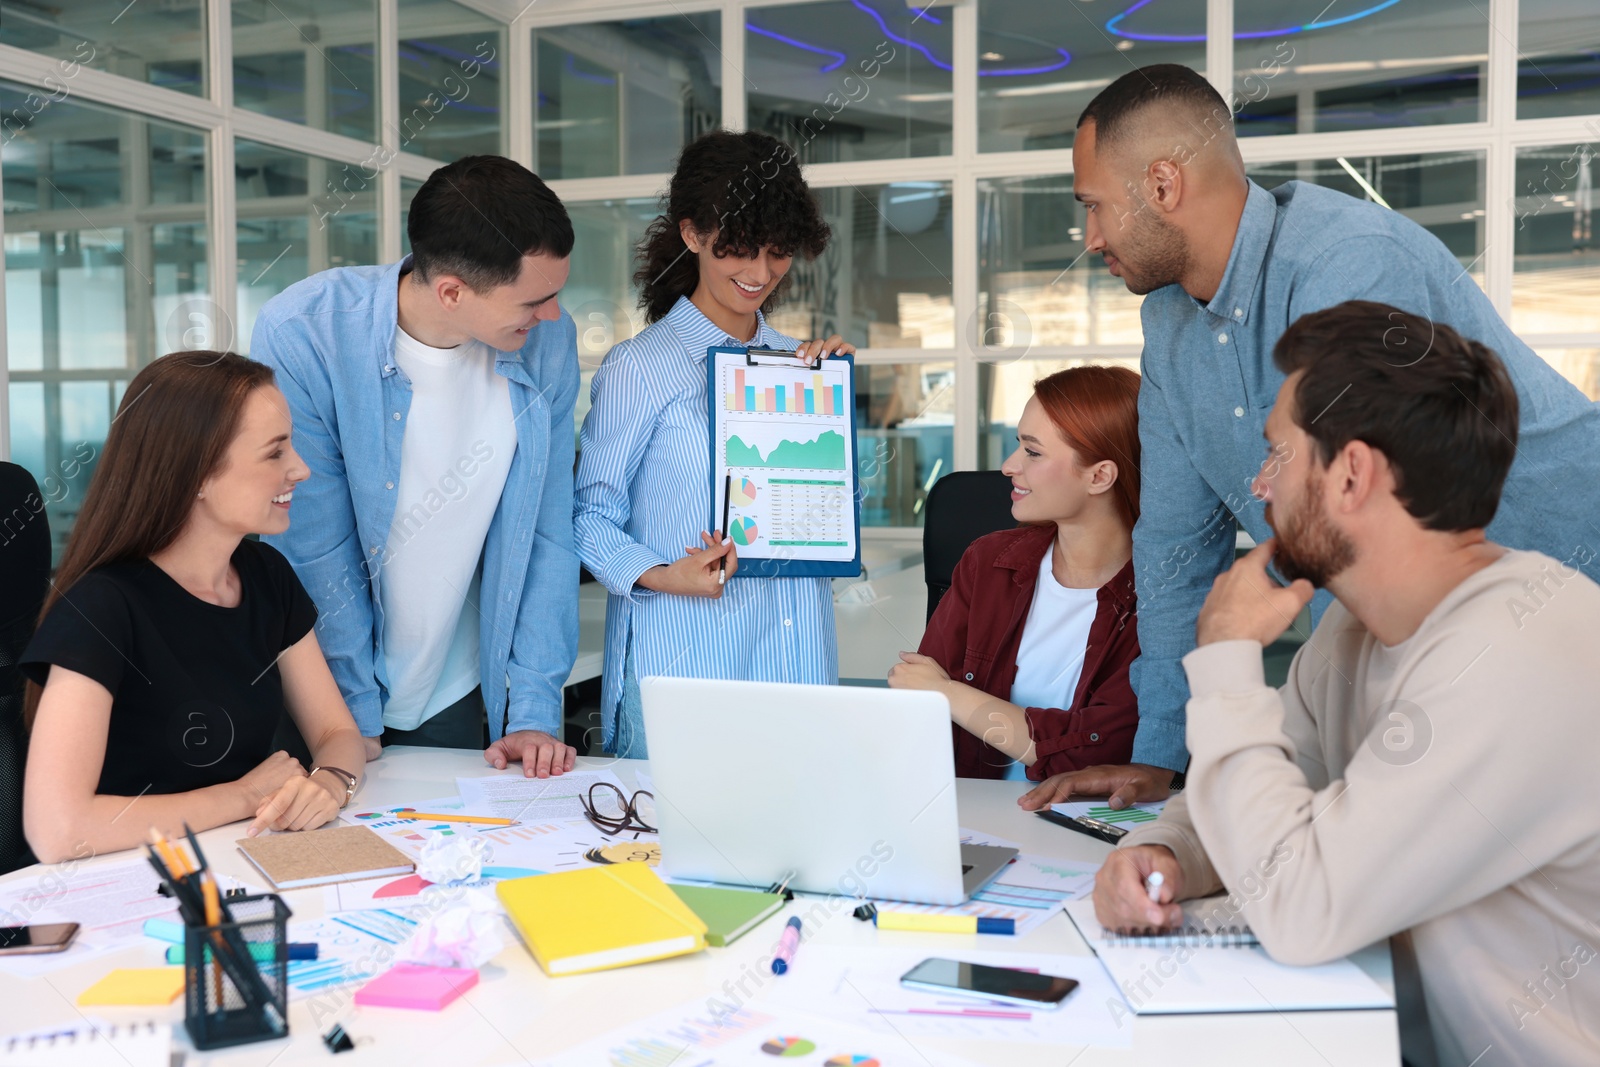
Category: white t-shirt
[1054,640]
[459,440]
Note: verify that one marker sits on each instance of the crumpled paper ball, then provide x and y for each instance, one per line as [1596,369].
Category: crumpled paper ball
[459,928]
[448,859]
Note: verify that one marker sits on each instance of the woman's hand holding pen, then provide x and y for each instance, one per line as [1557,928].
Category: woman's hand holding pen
[813,352]
[695,574]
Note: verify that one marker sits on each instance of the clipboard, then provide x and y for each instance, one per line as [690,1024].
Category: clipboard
[787,434]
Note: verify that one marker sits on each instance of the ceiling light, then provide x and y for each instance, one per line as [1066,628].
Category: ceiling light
[991,57]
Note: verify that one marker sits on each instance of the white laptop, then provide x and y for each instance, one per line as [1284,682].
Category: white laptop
[839,789]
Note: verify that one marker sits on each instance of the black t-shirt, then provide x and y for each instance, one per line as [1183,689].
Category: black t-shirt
[196,694]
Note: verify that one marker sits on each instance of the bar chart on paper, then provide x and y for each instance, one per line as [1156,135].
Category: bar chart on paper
[784,434]
[795,391]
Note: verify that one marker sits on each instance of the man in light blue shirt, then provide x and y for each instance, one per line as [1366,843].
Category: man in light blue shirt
[433,400]
[1227,266]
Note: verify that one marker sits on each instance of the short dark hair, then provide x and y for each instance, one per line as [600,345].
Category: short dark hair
[746,188]
[1160,83]
[1440,407]
[477,217]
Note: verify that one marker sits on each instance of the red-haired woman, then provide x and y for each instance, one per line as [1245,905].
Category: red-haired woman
[1033,641]
[162,672]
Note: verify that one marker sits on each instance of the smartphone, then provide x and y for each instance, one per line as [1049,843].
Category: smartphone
[989,983]
[46,937]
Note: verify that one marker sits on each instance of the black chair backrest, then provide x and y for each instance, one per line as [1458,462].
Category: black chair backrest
[24,576]
[962,507]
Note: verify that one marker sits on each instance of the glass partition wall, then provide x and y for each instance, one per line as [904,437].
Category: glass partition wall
[168,167]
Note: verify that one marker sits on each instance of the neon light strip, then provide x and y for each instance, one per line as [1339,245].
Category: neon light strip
[835,65]
[1066,57]
[1111,26]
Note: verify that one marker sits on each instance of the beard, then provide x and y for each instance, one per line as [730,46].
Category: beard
[1309,545]
[1157,253]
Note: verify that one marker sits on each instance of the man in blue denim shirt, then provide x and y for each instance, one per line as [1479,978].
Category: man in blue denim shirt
[433,400]
[1228,266]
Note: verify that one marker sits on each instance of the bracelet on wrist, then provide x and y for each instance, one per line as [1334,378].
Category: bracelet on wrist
[346,779]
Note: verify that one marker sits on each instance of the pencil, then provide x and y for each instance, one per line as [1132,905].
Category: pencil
[486,820]
[727,498]
[208,889]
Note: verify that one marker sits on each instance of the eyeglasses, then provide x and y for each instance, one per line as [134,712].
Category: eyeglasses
[611,811]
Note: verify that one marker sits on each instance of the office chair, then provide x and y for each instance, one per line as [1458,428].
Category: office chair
[962,507]
[24,577]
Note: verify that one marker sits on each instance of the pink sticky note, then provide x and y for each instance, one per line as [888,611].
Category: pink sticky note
[409,985]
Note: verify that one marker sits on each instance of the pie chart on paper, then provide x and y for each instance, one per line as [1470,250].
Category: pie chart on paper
[744,492]
[852,1061]
[744,531]
[788,1046]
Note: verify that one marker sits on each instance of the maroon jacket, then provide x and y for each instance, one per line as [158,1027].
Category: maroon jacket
[975,633]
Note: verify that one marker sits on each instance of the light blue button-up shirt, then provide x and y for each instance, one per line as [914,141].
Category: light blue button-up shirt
[1209,382]
[330,338]
[644,492]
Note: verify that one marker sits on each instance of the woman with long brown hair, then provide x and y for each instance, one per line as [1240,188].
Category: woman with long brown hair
[1033,642]
[171,643]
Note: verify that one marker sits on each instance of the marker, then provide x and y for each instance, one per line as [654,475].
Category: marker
[786,945]
[261,952]
[485,819]
[1152,885]
[944,924]
[722,564]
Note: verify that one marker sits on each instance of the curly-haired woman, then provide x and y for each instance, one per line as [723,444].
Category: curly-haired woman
[737,212]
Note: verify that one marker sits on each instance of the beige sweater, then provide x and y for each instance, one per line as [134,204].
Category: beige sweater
[1448,785]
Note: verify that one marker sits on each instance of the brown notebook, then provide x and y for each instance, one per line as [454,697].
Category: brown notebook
[318,857]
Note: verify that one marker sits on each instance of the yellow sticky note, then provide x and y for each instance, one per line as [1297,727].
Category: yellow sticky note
[141,986]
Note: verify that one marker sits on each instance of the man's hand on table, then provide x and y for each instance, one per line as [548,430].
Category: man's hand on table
[1121,901]
[541,755]
[1133,783]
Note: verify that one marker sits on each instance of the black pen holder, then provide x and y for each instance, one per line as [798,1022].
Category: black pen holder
[236,975]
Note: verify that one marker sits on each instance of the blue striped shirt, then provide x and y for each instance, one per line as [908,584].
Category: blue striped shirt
[643,492]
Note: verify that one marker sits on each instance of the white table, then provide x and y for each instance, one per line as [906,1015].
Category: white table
[516,1014]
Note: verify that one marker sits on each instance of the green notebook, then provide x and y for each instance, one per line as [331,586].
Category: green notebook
[728,913]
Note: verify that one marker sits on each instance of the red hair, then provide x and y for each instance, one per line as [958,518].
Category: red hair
[1096,411]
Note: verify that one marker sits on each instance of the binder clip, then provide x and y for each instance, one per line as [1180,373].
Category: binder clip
[337,1040]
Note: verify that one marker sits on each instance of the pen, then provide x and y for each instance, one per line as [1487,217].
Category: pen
[261,952]
[944,924]
[485,819]
[786,945]
[727,498]
[1152,885]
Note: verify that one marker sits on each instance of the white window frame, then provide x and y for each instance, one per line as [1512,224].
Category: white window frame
[1498,136]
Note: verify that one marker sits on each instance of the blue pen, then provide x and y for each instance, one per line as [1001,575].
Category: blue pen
[261,953]
[786,945]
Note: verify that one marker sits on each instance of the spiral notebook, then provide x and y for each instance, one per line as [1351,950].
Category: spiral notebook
[1207,967]
[92,1043]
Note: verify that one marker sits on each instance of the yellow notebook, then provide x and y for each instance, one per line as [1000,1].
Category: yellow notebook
[599,917]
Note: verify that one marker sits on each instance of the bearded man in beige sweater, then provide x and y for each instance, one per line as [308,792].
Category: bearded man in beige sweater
[1432,766]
